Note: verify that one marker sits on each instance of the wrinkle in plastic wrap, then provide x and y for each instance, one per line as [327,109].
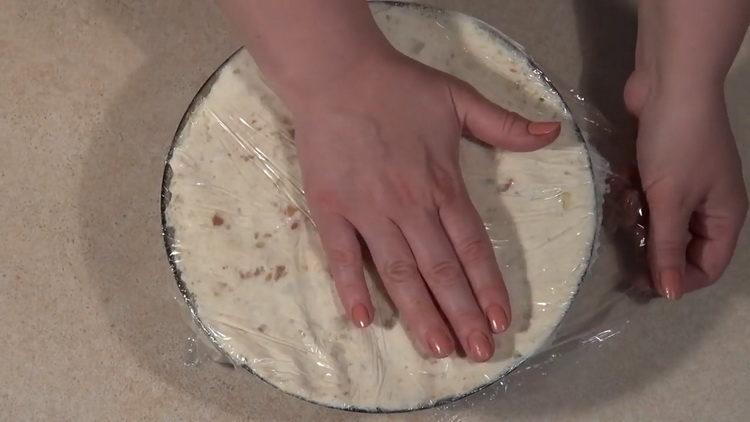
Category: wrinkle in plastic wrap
[250,267]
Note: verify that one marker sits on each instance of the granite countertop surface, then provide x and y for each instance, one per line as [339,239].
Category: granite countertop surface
[92,92]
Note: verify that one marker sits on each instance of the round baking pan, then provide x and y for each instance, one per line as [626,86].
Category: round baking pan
[169,234]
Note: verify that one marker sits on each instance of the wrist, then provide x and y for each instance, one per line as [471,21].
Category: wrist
[674,86]
[301,81]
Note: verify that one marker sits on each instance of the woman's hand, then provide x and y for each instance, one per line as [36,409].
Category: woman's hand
[379,155]
[377,135]
[692,176]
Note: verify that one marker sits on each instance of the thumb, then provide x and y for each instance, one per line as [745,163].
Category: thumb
[499,127]
[667,242]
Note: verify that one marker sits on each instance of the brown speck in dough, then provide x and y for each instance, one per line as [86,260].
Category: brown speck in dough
[255,236]
[262,328]
[453,55]
[236,71]
[260,244]
[565,200]
[292,133]
[295,225]
[217,220]
[251,273]
[567,173]
[285,120]
[513,70]
[222,285]
[279,272]
[290,210]
[247,157]
[505,186]
[216,293]
[266,235]
[269,276]
[541,100]
[224,267]
[229,154]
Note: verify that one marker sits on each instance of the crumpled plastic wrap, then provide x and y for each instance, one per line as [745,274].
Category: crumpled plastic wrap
[251,272]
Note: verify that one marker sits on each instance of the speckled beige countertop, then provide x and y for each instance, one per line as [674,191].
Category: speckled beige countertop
[91,92]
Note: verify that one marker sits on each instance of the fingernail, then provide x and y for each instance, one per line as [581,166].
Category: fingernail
[479,346]
[542,128]
[360,315]
[670,282]
[440,344]
[498,319]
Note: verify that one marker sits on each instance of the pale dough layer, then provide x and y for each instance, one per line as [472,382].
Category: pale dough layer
[252,260]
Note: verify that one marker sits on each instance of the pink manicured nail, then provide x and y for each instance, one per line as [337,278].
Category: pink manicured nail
[497,318]
[479,346]
[542,128]
[670,282]
[440,344]
[360,315]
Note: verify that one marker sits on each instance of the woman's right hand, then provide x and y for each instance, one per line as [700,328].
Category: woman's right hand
[377,135]
[379,155]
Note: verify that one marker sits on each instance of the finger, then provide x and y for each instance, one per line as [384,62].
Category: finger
[398,270]
[712,246]
[667,240]
[499,127]
[466,232]
[344,255]
[442,272]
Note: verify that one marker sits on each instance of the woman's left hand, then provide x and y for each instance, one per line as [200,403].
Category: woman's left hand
[692,177]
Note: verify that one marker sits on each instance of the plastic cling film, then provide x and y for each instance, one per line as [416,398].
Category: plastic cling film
[251,269]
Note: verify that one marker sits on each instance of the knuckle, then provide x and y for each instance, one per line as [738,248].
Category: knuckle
[400,271]
[509,120]
[664,197]
[446,182]
[342,258]
[323,199]
[474,250]
[445,273]
[668,248]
